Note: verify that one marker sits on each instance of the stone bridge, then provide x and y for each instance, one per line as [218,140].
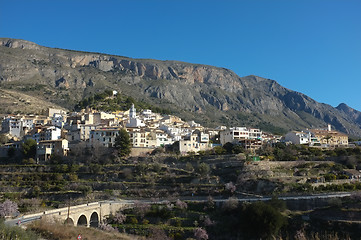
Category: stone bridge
[90,214]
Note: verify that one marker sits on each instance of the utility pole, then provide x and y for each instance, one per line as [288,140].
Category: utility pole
[68,219]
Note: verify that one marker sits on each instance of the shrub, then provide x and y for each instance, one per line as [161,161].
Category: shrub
[32,204]
[203,169]
[218,150]
[84,189]
[10,233]
[210,203]
[261,220]
[277,203]
[133,220]
[189,167]
[163,212]
[329,177]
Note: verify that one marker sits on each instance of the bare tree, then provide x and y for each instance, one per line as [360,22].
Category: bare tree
[141,208]
[157,234]
[120,218]
[208,222]
[200,234]
[106,227]
[230,204]
[181,205]
[8,208]
[230,187]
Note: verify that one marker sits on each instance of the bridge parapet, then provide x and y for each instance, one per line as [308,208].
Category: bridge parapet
[84,214]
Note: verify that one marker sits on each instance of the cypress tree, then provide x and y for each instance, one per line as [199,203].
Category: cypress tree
[122,143]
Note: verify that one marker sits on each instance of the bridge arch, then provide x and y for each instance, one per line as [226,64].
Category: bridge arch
[82,221]
[94,220]
[69,221]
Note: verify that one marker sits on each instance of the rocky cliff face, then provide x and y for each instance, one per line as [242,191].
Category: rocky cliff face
[211,94]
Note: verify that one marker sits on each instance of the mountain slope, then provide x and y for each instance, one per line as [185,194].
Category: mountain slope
[208,94]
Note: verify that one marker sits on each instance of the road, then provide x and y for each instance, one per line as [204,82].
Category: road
[24,219]
[267,198]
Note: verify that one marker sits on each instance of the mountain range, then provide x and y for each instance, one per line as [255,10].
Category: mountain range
[34,77]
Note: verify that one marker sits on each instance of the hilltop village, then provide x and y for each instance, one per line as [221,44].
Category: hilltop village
[51,159]
[59,132]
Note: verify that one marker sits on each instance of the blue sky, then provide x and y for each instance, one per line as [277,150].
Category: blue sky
[310,46]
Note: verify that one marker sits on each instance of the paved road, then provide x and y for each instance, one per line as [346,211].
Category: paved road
[264,198]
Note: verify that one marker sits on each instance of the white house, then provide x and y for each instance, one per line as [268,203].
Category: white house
[13,126]
[106,136]
[79,132]
[197,141]
[58,120]
[232,134]
[45,149]
[301,137]
[163,139]
[255,133]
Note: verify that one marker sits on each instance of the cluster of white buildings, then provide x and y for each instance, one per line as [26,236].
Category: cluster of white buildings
[318,138]
[59,131]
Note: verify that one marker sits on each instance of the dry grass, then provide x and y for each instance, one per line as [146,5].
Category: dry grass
[13,101]
[58,231]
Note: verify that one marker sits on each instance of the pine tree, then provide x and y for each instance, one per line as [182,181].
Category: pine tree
[122,143]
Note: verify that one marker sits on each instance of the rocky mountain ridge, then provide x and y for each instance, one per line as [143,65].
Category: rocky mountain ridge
[211,95]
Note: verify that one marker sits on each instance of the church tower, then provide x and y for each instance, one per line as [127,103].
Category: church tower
[132,112]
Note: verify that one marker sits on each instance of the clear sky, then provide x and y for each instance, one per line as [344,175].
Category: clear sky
[310,46]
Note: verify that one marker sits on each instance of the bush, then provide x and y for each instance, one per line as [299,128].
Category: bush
[219,150]
[330,177]
[261,220]
[203,169]
[10,233]
[133,220]
[161,212]
[84,189]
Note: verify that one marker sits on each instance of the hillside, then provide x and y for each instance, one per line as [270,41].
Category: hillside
[208,94]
